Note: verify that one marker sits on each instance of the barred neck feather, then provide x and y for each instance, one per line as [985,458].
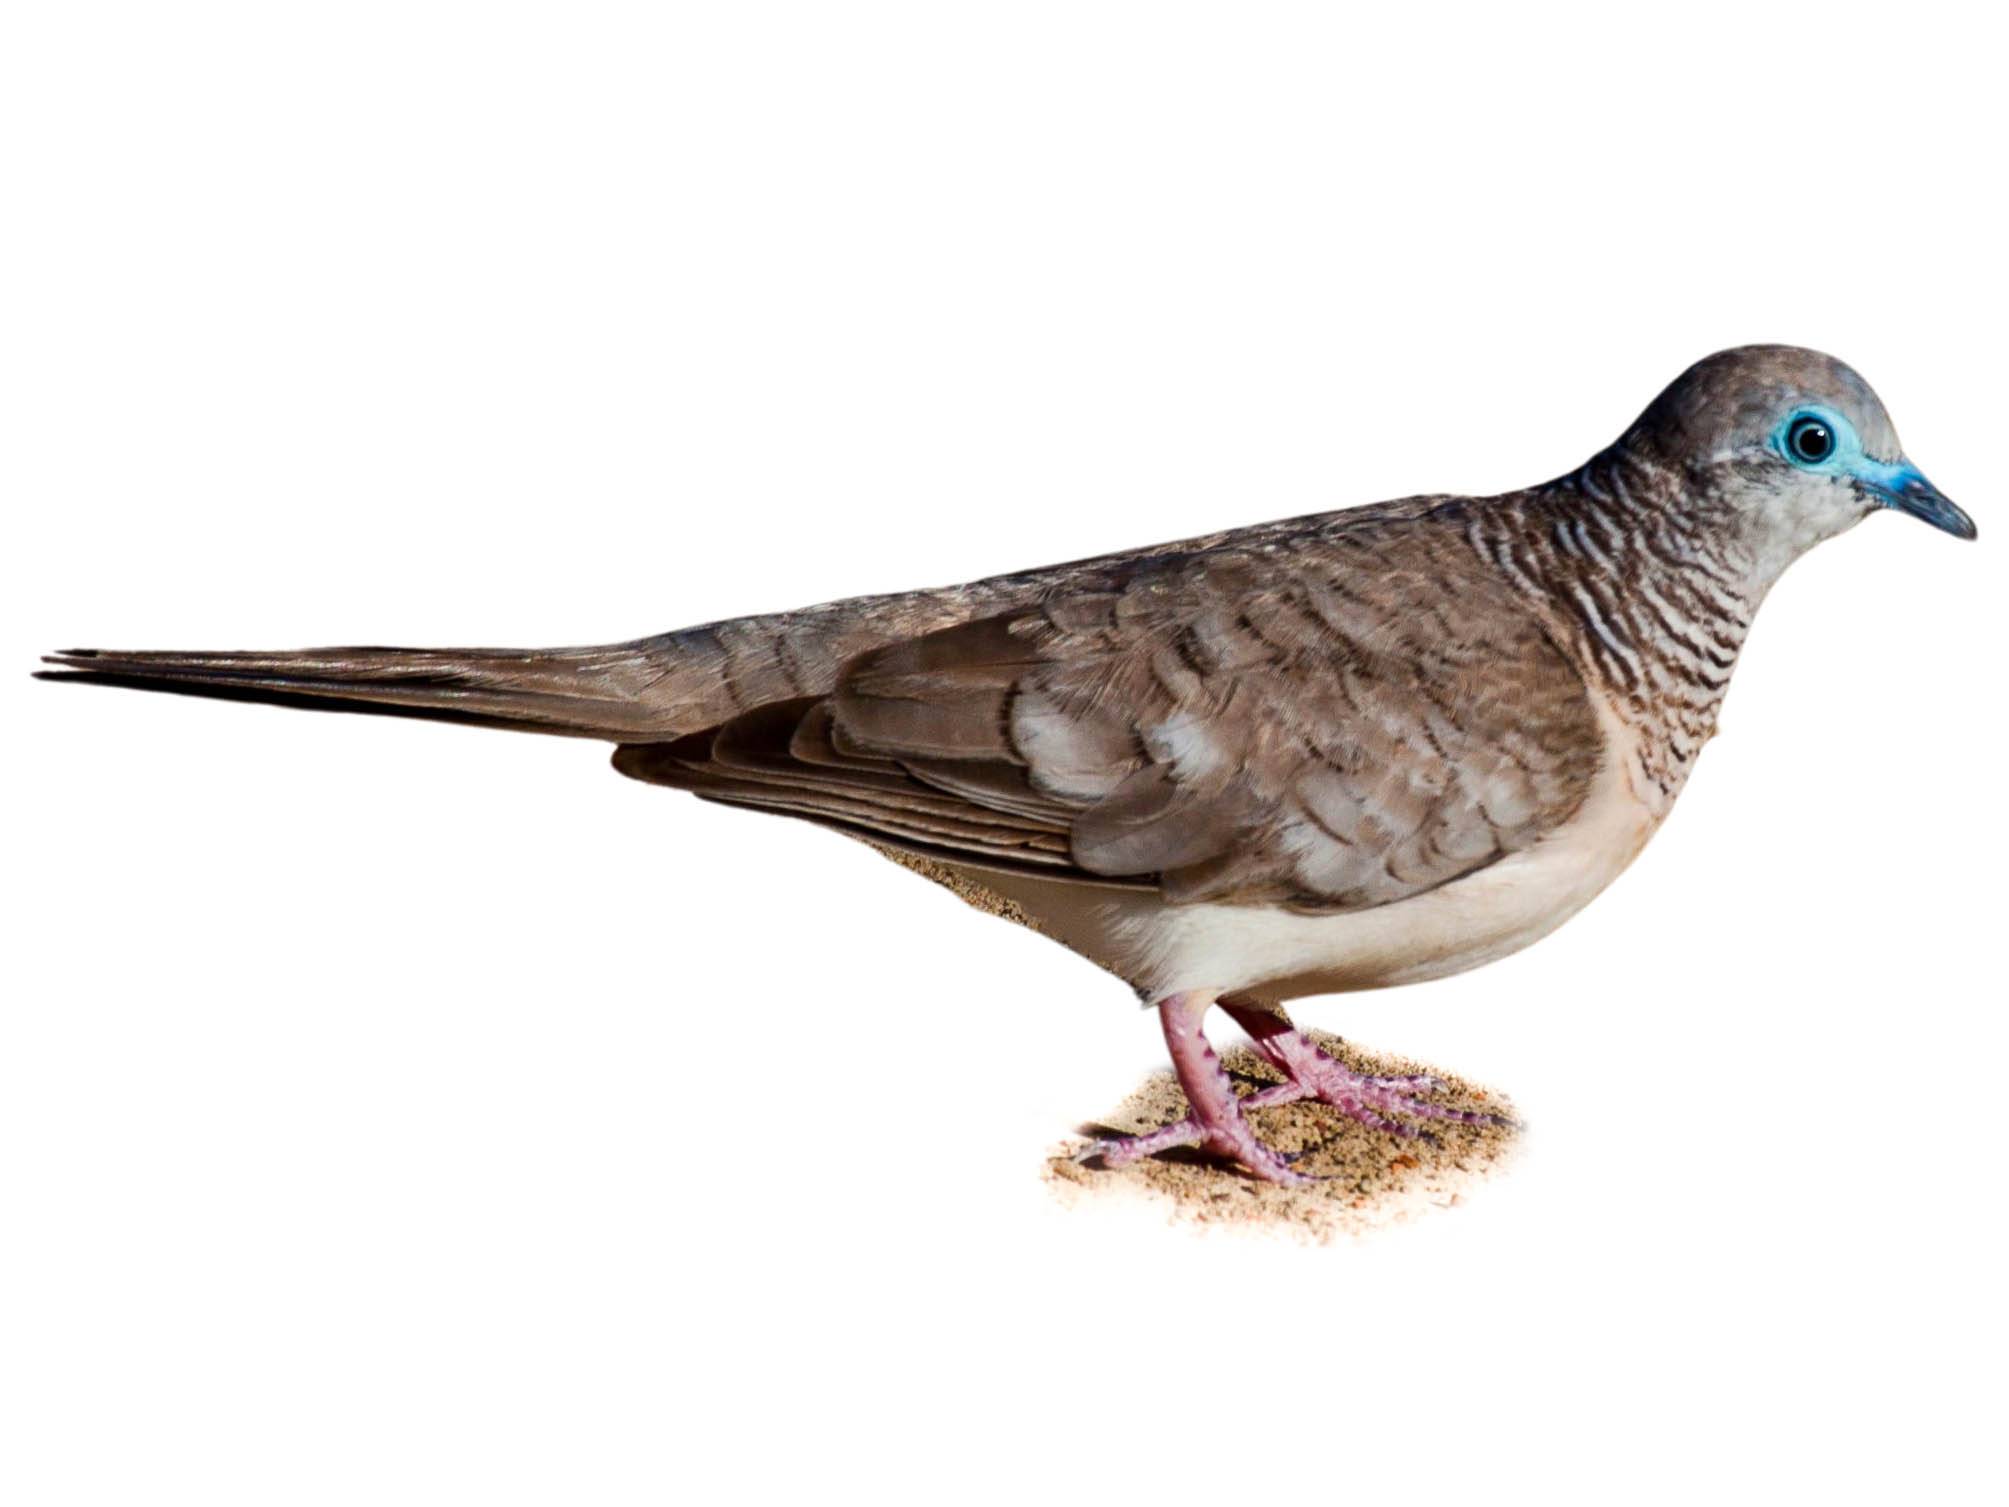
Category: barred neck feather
[1649,586]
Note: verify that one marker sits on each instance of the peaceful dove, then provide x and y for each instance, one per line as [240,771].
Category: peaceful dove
[1343,751]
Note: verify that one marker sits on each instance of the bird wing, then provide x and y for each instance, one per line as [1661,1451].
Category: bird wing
[1329,722]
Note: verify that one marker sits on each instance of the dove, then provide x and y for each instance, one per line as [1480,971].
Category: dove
[1356,749]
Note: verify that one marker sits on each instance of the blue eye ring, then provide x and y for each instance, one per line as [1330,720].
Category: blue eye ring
[1810,440]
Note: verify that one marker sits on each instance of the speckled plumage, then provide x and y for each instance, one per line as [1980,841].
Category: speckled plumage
[1337,751]
[1328,717]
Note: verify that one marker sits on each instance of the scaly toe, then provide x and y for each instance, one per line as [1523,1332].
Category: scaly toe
[1235,1142]
[1415,1083]
[1238,1143]
[1425,1109]
[1375,1101]
[1121,1151]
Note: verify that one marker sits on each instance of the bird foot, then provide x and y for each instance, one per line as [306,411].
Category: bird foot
[1234,1138]
[1375,1101]
[1217,1122]
[1372,1101]
[1219,1119]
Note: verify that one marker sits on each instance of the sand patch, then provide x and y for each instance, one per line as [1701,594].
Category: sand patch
[1371,1177]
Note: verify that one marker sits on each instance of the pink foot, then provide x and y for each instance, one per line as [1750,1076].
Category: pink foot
[1217,1123]
[1314,1074]
[1219,1119]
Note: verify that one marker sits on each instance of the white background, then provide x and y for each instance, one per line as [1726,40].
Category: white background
[398,1113]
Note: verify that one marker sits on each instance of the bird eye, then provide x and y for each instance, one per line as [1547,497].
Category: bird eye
[1810,440]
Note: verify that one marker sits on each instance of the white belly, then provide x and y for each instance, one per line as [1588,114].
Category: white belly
[1270,955]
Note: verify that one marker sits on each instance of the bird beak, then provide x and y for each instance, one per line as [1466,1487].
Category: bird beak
[1905,488]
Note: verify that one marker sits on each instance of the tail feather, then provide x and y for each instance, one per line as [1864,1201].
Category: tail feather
[646,690]
[600,692]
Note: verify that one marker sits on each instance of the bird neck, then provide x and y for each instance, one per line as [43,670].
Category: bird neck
[1646,585]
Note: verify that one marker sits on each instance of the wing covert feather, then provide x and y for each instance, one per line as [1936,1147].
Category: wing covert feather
[1328,723]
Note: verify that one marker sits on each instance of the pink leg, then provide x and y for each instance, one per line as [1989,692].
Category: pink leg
[1217,1122]
[1315,1074]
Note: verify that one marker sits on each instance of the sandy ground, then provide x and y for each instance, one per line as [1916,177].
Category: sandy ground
[1370,1178]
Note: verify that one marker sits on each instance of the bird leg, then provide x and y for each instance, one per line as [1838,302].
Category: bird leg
[1312,1073]
[1217,1121]
[1219,1118]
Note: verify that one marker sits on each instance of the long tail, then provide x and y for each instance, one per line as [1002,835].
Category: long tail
[647,690]
[615,691]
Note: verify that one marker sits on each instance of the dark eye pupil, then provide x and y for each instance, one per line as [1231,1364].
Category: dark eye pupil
[1812,441]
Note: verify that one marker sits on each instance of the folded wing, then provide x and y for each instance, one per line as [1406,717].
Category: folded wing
[1323,723]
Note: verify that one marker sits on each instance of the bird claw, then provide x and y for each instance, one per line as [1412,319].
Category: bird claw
[1218,1119]
[1374,1100]
[1234,1140]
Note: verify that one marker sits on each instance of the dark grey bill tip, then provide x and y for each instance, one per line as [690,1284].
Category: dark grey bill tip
[1920,498]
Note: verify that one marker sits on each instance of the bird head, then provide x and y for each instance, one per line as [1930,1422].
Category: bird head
[1788,447]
